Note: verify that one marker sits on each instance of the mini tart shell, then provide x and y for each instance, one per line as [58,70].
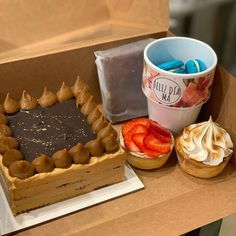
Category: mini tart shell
[146,163]
[196,168]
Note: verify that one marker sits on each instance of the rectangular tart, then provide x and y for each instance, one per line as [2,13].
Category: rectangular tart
[39,166]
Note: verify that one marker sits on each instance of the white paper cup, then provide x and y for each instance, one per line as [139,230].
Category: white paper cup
[175,119]
[175,100]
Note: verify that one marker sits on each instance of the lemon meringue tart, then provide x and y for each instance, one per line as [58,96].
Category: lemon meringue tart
[56,147]
[204,149]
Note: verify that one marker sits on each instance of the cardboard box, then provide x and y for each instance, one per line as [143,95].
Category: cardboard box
[57,43]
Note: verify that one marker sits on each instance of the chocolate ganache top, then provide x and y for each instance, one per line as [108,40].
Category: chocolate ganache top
[47,130]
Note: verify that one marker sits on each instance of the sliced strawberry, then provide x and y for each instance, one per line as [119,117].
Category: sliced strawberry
[159,136]
[139,129]
[138,140]
[159,129]
[151,142]
[129,144]
[138,121]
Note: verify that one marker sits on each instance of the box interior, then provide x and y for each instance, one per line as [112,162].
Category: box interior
[28,31]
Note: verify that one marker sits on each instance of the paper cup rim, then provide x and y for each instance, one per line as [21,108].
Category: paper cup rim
[184,76]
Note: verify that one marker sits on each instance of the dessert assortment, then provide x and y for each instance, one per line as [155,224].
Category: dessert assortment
[56,147]
[147,144]
[60,145]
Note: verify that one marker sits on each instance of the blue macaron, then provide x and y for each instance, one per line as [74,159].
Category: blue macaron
[194,66]
[171,65]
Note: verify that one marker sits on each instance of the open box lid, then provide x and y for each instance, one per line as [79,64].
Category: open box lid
[39,27]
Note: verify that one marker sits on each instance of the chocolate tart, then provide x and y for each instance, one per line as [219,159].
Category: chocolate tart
[56,147]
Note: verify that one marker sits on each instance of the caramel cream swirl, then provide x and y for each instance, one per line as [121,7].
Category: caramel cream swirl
[206,142]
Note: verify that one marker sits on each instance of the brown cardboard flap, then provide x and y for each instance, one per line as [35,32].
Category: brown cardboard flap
[31,28]
[221,105]
[33,74]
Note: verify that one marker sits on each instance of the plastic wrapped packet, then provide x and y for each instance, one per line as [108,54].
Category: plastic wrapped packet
[120,78]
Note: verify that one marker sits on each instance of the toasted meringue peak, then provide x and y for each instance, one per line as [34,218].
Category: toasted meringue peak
[82,97]
[62,159]
[27,102]
[10,105]
[94,115]
[107,131]
[207,142]
[110,144]
[43,164]
[3,119]
[47,99]
[78,86]
[10,156]
[21,169]
[88,107]
[64,93]
[99,124]
[95,147]
[80,154]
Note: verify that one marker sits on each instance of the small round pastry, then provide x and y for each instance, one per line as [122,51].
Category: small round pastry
[110,144]
[47,99]
[27,102]
[82,97]
[94,115]
[43,163]
[99,124]
[64,93]
[10,156]
[62,159]
[204,149]
[3,119]
[10,105]
[80,154]
[5,130]
[78,86]
[147,144]
[88,107]
[1,109]
[21,169]
[95,147]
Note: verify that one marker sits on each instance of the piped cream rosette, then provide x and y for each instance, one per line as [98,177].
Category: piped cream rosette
[204,149]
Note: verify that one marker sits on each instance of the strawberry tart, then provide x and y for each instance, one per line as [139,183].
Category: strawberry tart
[147,144]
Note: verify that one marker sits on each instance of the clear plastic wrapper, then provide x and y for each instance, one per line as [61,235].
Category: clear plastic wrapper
[120,78]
